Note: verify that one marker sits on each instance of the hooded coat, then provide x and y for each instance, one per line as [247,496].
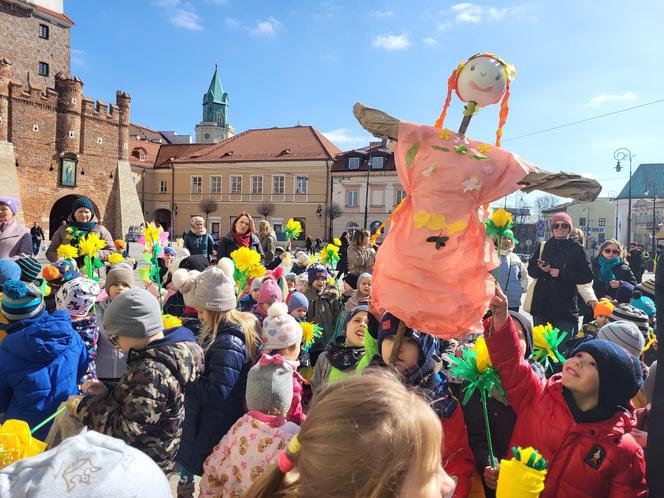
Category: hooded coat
[41,362]
[60,237]
[146,407]
[15,241]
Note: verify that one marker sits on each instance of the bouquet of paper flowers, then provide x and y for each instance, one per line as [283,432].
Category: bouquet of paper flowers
[330,256]
[247,265]
[293,229]
[89,247]
[154,239]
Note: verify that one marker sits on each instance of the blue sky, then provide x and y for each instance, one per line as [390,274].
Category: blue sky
[289,61]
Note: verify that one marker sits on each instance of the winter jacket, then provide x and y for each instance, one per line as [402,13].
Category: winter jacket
[60,237]
[146,407]
[199,244]
[227,245]
[269,244]
[111,361]
[354,301]
[89,332]
[296,412]
[636,261]
[216,400]
[338,361]
[324,308]
[342,264]
[41,362]
[595,459]
[555,298]
[361,260]
[623,274]
[15,241]
[243,454]
[513,277]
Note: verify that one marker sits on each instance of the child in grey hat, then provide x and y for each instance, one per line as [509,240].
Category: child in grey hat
[255,440]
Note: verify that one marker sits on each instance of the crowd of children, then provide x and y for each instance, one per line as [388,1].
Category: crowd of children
[240,401]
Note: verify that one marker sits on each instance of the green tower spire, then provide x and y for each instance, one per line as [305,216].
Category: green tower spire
[215,102]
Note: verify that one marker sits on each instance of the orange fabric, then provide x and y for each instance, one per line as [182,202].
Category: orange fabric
[504,111]
[444,292]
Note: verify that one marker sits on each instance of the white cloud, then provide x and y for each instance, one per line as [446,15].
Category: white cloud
[218,2]
[443,25]
[391,42]
[181,14]
[381,13]
[267,28]
[231,22]
[78,57]
[344,138]
[468,12]
[611,97]
[429,41]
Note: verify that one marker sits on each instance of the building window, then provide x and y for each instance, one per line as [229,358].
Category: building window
[236,184]
[215,185]
[163,185]
[141,155]
[601,222]
[302,185]
[43,31]
[43,69]
[351,198]
[353,163]
[582,222]
[278,184]
[377,162]
[400,196]
[196,184]
[256,184]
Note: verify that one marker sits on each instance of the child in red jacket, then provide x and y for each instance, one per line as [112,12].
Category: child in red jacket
[577,419]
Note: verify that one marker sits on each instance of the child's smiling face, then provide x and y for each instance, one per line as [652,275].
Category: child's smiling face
[580,374]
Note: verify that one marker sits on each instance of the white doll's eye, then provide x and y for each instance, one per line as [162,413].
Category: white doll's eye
[472,68]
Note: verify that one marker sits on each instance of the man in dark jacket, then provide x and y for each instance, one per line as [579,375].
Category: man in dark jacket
[655,449]
[37,235]
[636,261]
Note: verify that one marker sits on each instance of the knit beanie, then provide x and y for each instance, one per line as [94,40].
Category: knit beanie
[119,273]
[196,262]
[625,334]
[624,293]
[63,270]
[120,245]
[30,268]
[9,270]
[88,464]
[351,279]
[12,202]
[134,313]
[280,330]
[270,291]
[631,314]
[562,217]
[316,271]
[83,202]
[290,277]
[604,307]
[270,386]
[648,287]
[169,250]
[619,372]
[644,303]
[297,300]
[20,300]
[212,289]
[649,383]
[256,284]
[426,343]
[77,296]
[352,314]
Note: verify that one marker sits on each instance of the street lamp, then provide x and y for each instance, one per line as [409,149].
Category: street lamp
[366,200]
[620,155]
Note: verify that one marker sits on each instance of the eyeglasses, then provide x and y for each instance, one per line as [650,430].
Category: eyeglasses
[611,251]
[564,226]
[113,339]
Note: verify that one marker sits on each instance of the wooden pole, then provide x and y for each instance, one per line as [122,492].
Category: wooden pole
[468,112]
[397,343]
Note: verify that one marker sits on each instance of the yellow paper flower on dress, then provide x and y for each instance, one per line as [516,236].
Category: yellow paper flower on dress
[16,442]
[67,251]
[482,358]
[501,218]
[438,223]
[116,258]
[483,148]
[91,244]
[445,134]
[257,271]
[245,258]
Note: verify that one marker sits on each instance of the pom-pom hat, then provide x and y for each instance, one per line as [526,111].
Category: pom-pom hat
[9,270]
[212,289]
[270,386]
[280,330]
[20,300]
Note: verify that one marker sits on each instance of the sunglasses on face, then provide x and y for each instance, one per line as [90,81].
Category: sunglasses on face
[611,251]
[564,226]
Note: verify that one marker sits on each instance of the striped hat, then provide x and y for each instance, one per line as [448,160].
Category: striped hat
[30,268]
[20,300]
[647,287]
[629,313]
[625,334]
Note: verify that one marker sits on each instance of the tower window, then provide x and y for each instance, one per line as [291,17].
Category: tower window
[43,69]
[43,31]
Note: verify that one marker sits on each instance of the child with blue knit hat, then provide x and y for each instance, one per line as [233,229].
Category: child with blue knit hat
[298,305]
[42,358]
[324,306]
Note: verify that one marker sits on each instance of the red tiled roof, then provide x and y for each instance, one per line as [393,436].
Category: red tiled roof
[167,151]
[136,130]
[341,160]
[53,13]
[150,150]
[295,143]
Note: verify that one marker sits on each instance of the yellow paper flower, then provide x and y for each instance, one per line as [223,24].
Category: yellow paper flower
[438,223]
[312,259]
[337,242]
[151,233]
[310,332]
[171,321]
[501,218]
[115,258]
[245,259]
[445,134]
[91,244]
[482,358]
[483,148]
[257,271]
[67,251]
[16,442]
[145,274]
[293,228]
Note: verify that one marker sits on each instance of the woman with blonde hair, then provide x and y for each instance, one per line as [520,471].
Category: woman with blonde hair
[361,256]
[230,340]
[268,240]
[365,436]
[197,240]
[610,269]
[242,234]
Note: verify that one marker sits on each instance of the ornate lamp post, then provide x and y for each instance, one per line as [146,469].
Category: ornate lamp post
[620,155]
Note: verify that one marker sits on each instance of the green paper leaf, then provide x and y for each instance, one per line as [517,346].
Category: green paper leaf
[479,158]
[438,147]
[411,153]
[461,149]
[147,257]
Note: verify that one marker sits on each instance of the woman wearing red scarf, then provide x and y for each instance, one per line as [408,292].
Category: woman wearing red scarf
[242,234]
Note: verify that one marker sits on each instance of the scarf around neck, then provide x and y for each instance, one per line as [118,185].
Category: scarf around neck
[199,231]
[606,267]
[6,224]
[83,225]
[241,240]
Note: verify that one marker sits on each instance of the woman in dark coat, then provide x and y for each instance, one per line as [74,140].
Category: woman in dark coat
[342,265]
[562,265]
[242,234]
[610,270]
[197,240]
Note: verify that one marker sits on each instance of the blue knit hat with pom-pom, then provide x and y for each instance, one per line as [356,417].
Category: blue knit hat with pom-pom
[20,300]
[9,270]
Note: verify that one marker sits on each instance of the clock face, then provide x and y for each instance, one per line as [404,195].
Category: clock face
[207,135]
[482,80]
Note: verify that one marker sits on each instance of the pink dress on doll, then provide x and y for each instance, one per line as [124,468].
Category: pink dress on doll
[443,291]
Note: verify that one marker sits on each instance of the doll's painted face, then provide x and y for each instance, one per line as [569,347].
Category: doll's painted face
[482,80]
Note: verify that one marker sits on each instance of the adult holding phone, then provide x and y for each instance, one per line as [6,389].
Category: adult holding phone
[562,265]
